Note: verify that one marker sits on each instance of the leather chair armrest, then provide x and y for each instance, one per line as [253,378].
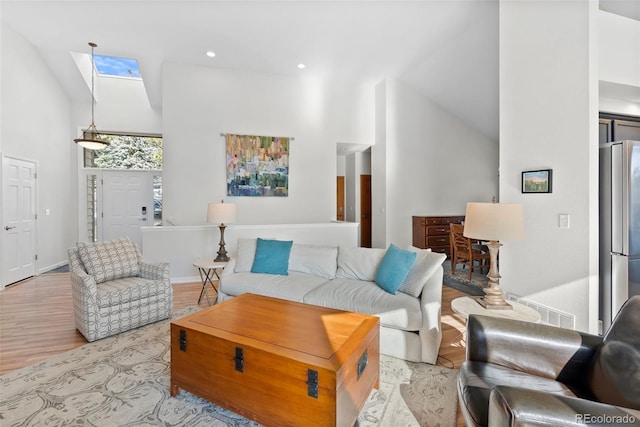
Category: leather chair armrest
[510,406]
[537,349]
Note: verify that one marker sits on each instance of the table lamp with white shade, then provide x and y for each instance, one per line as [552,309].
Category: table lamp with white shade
[221,213]
[494,222]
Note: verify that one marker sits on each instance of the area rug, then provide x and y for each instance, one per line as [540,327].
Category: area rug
[459,279]
[124,381]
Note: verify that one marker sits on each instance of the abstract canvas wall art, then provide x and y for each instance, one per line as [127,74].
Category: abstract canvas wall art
[257,166]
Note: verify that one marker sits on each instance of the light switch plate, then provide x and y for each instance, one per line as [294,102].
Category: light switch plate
[563,220]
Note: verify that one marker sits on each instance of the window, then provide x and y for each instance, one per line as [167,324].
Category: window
[92,208]
[112,66]
[127,152]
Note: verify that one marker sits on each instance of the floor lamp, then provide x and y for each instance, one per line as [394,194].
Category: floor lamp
[221,213]
[494,222]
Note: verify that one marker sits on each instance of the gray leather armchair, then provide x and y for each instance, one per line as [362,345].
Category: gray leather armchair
[525,374]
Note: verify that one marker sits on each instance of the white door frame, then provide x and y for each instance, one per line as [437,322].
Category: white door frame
[3,280]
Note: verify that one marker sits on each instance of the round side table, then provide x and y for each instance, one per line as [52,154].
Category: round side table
[464,306]
[208,269]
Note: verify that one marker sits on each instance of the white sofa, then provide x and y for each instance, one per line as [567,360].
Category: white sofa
[343,278]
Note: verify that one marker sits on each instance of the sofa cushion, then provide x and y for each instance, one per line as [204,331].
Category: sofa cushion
[122,291]
[272,256]
[109,260]
[245,253]
[393,268]
[292,287]
[320,261]
[426,264]
[399,311]
[359,263]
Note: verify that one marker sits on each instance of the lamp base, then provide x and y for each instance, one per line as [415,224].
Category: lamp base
[501,305]
[222,258]
[493,299]
[222,251]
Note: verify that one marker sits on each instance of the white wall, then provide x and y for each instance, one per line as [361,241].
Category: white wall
[200,103]
[122,106]
[618,49]
[619,64]
[341,165]
[35,120]
[548,119]
[433,164]
[379,170]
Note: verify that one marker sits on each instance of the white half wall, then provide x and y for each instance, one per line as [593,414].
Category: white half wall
[201,103]
[548,120]
[181,246]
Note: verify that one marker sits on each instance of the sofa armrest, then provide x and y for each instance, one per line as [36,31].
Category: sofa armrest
[230,268]
[537,349]
[431,300]
[511,406]
[431,306]
[155,270]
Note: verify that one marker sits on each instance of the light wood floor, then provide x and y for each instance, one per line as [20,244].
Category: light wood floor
[36,321]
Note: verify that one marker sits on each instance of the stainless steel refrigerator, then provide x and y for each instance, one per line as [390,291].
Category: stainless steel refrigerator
[619,226]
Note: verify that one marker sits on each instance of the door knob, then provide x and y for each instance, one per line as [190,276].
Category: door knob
[9,228]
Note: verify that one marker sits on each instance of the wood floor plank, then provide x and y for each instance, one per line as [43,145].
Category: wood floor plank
[36,321]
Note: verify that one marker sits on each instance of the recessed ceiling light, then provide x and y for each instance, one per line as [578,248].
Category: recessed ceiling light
[211,54]
[301,66]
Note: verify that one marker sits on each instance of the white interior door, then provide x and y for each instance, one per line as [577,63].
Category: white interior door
[127,204]
[18,213]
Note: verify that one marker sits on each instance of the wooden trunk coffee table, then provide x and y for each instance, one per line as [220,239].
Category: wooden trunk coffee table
[278,362]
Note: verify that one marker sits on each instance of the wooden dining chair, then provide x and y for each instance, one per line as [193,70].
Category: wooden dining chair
[464,251]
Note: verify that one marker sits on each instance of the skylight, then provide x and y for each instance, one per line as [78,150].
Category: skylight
[113,66]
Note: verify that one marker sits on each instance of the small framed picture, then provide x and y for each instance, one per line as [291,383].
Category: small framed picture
[536,181]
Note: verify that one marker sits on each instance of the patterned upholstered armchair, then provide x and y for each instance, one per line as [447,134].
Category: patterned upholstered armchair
[115,290]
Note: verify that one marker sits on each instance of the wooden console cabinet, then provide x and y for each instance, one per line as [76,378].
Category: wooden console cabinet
[433,232]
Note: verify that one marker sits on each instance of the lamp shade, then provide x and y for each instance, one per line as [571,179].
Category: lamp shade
[494,221]
[221,213]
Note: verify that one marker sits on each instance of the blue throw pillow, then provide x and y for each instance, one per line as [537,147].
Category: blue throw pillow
[272,257]
[394,268]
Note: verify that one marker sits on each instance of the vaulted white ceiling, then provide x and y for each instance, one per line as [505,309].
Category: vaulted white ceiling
[446,49]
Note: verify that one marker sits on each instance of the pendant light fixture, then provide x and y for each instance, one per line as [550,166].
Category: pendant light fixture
[91,139]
